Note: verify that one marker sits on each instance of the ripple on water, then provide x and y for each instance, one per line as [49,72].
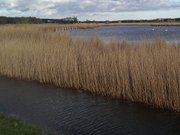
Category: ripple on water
[76,113]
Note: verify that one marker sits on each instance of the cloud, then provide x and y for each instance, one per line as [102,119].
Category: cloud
[62,8]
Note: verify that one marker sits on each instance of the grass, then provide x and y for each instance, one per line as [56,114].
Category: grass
[147,73]
[12,126]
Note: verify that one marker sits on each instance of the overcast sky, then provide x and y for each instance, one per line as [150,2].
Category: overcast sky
[92,9]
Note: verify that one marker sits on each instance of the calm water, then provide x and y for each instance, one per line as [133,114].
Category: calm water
[73,112]
[131,33]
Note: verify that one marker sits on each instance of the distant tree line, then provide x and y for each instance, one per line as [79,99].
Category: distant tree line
[67,20]
[19,20]
[70,20]
[134,21]
[34,20]
[154,20]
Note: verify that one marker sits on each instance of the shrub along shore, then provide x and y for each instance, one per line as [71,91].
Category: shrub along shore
[147,73]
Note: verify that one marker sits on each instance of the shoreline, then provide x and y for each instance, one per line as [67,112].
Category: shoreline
[53,26]
[147,73]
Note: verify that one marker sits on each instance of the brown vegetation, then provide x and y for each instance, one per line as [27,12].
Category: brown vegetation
[148,73]
[54,27]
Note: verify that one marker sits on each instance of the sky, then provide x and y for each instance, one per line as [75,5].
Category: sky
[92,9]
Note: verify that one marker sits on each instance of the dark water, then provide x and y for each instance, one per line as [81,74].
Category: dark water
[131,33]
[73,112]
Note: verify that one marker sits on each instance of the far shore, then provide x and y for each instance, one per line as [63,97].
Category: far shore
[64,27]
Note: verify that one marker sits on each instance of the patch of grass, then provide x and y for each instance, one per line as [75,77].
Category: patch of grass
[12,126]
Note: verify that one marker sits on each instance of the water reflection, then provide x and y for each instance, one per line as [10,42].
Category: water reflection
[73,112]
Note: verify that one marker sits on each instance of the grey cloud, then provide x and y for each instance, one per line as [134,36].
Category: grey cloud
[3,5]
[75,7]
[114,5]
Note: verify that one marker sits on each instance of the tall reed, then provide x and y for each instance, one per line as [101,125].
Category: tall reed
[147,73]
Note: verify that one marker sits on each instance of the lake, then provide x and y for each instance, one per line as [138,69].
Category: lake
[73,112]
[131,33]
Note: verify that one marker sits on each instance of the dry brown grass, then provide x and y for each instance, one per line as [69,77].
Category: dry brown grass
[147,73]
[54,27]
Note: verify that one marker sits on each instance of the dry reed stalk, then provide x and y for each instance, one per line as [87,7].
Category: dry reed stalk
[147,73]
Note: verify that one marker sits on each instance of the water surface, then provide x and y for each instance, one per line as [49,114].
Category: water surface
[131,33]
[73,112]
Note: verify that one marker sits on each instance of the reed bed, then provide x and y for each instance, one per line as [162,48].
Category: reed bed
[54,27]
[147,73]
